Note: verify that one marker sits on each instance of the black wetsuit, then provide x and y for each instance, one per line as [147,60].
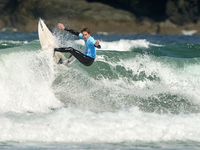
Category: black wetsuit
[84,59]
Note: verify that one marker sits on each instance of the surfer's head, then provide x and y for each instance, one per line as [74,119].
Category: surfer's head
[86,33]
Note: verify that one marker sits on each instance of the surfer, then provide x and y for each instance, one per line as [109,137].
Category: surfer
[90,43]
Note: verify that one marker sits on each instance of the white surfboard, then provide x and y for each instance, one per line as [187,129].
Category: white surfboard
[48,41]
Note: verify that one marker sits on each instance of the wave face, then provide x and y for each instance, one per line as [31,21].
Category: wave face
[141,88]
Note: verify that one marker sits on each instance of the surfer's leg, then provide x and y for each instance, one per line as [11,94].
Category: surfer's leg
[71,50]
[84,59]
[63,50]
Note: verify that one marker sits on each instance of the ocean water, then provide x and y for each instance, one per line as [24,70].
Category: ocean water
[142,92]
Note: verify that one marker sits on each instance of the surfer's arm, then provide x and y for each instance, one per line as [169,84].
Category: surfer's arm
[72,31]
[61,26]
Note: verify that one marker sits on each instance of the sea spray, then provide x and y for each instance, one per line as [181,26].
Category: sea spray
[26,79]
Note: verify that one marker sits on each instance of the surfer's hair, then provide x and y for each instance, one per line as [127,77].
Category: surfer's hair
[85,30]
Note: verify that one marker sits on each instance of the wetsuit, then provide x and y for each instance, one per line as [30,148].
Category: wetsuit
[87,59]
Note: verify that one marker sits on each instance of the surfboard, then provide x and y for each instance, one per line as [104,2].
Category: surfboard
[48,41]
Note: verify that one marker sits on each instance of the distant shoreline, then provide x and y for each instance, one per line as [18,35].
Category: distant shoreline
[113,27]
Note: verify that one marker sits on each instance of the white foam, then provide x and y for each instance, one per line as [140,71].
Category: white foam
[103,33]
[75,125]
[26,79]
[121,45]
[126,45]
[13,42]
[189,32]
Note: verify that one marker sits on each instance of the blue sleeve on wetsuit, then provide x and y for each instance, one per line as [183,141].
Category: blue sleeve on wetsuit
[91,41]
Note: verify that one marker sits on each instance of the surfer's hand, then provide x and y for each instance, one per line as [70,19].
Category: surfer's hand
[97,43]
[61,26]
[99,46]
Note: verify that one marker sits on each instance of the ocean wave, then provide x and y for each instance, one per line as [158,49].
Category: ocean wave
[11,43]
[124,97]
[121,45]
[80,126]
[114,81]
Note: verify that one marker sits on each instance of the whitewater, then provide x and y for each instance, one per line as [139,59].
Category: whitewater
[142,92]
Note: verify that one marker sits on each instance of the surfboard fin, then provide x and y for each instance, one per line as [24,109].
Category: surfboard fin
[60,61]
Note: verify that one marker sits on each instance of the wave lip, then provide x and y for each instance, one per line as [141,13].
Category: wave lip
[126,45]
[122,44]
